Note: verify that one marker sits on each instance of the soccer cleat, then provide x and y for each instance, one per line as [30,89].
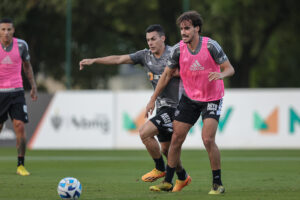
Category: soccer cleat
[217,189]
[181,184]
[153,175]
[163,186]
[22,171]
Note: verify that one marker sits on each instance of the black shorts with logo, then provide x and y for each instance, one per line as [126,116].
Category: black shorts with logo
[13,104]
[163,121]
[188,111]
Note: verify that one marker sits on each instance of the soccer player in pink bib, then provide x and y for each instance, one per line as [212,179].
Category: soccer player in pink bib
[203,65]
[13,55]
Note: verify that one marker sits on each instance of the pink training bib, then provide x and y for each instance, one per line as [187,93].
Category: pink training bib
[10,67]
[194,70]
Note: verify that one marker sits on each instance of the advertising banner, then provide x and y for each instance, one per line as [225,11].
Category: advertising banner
[265,118]
[257,118]
[130,117]
[250,118]
[76,120]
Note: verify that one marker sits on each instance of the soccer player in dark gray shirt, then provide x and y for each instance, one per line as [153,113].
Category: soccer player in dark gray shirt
[154,61]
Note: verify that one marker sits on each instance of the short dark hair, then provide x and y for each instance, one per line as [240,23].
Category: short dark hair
[156,27]
[192,16]
[6,20]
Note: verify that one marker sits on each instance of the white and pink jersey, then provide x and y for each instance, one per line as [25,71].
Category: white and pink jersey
[10,67]
[194,70]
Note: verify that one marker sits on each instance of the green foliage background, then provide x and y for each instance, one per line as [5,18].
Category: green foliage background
[261,38]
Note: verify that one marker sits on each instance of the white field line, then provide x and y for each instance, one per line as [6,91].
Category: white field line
[133,158]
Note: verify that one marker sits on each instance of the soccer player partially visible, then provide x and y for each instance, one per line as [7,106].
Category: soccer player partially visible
[13,55]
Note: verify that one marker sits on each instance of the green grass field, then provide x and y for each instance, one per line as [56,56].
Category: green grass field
[246,174]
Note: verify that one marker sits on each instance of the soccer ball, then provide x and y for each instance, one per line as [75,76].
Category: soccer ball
[69,188]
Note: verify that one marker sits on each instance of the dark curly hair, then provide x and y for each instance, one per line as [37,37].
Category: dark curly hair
[192,16]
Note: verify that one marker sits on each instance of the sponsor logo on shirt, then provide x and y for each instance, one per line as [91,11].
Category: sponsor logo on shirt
[166,118]
[6,60]
[196,66]
[212,106]
[177,112]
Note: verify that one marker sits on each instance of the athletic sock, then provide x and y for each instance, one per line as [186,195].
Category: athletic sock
[170,174]
[20,160]
[217,176]
[182,175]
[160,164]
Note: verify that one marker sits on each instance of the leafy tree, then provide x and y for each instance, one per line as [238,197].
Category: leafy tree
[260,37]
[251,33]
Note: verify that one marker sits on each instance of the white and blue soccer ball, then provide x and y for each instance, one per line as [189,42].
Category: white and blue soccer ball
[69,188]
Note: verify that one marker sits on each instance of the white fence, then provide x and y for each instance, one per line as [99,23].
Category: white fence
[255,118]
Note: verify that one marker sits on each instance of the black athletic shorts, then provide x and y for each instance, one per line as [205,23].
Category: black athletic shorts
[188,111]
[14,105]
[163,121]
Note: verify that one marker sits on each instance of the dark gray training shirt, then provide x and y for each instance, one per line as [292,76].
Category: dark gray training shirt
[23,49]
[154,68]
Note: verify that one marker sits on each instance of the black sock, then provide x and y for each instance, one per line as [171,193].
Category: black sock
[182,175]
[170,174]
[160,164]
[20,160]
[217,176]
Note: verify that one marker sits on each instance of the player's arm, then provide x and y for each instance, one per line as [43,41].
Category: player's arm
[226,71]
[108,60]
[219,57]
[30,76]
[162,83]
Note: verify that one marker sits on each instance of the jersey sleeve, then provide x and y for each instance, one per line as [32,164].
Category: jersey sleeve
[24,50]
[173,61]
[216,51]
[138,57]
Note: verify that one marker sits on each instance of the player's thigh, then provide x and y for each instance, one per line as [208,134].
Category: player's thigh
[187,112]
[5,102]
[165,147]
[163,122]
[180,130]
[18,108]
[209,128]
[148,130]
[19,112]
[211,114]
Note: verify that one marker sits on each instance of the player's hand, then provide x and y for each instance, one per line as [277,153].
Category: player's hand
[176,73]
[213,76]
[33,94]
[149,108]
[85,62]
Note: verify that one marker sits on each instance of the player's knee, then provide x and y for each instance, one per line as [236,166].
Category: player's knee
[19,128]
[177,140]
[144,137]
[142,132]
[208,141]
[164,151]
